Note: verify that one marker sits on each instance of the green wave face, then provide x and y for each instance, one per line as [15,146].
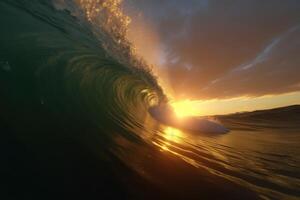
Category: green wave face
[58,77]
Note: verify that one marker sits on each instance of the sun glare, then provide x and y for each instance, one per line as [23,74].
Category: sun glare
[184,108]
[172,134]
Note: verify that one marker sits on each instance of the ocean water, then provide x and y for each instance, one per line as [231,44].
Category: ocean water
[74,121]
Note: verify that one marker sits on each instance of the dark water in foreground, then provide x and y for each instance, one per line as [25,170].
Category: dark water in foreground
[74,124]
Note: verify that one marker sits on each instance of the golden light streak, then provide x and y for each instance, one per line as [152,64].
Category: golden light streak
[172,134]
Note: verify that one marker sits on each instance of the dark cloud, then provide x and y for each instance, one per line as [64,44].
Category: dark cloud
[218,49]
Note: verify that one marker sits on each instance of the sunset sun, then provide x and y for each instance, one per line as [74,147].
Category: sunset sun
[184,108]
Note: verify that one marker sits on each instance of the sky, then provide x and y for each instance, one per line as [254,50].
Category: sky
[238,54]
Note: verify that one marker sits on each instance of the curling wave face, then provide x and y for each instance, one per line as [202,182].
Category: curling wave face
[67,67]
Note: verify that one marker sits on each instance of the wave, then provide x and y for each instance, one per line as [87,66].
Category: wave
[63,64]
[71,84]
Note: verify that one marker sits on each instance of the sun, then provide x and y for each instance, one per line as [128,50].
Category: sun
[184,108]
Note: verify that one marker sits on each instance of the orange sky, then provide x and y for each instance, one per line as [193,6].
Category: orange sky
[224,57]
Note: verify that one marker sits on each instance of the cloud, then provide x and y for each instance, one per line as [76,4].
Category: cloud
[275,70]
[224,49]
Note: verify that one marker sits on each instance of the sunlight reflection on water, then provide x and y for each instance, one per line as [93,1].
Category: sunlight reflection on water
[261,160]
